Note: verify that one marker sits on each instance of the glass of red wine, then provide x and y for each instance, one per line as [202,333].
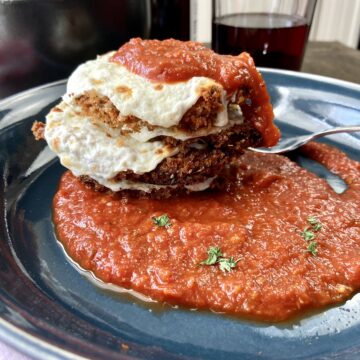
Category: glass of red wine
[274,32]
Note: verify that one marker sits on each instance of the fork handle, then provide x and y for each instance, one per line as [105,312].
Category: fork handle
[337,130]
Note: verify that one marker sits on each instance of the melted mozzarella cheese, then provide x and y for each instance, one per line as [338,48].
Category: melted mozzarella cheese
[159,104]
[145,134]
[235,117]
[201,186]
[114,185]
[88,148]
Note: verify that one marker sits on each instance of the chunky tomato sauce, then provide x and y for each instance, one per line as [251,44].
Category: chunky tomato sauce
[173,60]
[258,219]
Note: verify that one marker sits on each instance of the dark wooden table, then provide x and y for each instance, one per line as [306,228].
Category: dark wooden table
[332,59]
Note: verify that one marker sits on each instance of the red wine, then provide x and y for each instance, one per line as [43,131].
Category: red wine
[273,40]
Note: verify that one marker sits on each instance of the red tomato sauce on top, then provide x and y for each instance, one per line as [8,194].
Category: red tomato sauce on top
[173,60]
[258,219]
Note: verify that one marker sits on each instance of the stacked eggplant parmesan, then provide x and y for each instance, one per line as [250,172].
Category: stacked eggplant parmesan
[120,127]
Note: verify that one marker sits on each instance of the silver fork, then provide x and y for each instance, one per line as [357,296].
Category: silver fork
[292,143]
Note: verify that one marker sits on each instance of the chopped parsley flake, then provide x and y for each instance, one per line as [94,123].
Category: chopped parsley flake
[215,256]
[312,248]
[307,234]
[162,221]
[314,222]
[227,264]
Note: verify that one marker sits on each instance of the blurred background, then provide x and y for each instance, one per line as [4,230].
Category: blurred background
[44,40]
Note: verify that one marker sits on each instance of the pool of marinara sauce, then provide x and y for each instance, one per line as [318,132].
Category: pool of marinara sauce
[257,219]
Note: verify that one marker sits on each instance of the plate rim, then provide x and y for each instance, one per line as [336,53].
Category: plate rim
[33,346]
[310,76]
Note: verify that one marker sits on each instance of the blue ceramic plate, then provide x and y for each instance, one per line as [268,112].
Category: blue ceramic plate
[47,308]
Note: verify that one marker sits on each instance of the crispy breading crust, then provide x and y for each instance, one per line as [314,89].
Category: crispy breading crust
[38,129]
[201,115]
[191,166]
[163,193]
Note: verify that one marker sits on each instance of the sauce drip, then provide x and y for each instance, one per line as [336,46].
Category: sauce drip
[258,219]
[173,60]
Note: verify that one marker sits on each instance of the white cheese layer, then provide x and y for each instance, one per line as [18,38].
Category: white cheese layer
[89,148]
[235,117]
[160,104]
[114,185]
[145,134]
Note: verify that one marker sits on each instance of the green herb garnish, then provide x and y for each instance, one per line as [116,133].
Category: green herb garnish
[227,264]
[314,222]
[162,221]
[213,254]
[312,248]
[307,234]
